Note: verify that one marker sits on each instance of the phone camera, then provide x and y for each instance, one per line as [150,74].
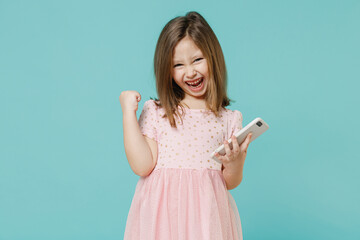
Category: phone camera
[259,123]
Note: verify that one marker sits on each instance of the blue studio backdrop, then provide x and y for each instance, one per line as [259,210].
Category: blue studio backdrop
[63,64]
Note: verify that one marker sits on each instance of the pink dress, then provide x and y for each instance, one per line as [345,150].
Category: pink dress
[185,196]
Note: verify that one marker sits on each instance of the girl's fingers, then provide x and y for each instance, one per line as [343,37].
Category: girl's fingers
[218,156]
[227,148]
[138,97]
[236,147]
[222,158]
[246,143]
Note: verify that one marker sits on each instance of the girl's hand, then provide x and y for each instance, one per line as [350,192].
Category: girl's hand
[129,101]
[237,155]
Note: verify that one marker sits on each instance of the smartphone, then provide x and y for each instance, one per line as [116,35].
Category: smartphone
[256,127]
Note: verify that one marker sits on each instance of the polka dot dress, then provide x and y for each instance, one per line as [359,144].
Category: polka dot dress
[185,196]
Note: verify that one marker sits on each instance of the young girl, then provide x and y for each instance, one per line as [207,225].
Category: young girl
[182,192]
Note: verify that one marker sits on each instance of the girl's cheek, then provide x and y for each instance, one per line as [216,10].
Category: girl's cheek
[204,67]
[173,74]
[177,74]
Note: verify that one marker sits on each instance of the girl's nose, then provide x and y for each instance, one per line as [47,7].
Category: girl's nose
[190,72]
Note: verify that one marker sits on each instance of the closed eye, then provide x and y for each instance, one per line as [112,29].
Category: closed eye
[198,59]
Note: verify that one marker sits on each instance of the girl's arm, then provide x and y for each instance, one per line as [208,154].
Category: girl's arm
[233,161]
[233,175]
[137,148]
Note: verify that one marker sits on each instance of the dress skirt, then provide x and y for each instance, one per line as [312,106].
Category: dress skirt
[183,204]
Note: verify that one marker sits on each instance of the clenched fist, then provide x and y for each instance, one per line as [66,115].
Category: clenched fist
[129,101]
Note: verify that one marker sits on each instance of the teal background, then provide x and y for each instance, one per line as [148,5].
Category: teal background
[63,65]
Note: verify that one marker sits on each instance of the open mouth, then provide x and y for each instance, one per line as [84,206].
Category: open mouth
[195,84]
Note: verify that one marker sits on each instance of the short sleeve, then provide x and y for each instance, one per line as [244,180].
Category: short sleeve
[236,123]
[147,120]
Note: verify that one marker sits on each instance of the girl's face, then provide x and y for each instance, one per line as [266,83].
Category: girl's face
[190,68]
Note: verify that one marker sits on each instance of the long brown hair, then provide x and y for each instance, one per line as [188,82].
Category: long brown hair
[170,94]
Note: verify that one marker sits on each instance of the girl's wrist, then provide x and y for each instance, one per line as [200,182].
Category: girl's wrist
[129,116]
[129,112]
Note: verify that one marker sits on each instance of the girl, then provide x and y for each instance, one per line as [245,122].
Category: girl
[182,192]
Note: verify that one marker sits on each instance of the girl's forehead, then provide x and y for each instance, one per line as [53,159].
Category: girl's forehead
[186,47]
[186,42]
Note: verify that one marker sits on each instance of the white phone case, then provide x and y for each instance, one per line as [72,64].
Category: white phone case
[256,126]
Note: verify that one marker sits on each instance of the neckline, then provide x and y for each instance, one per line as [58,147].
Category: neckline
[195,109]
[201,110]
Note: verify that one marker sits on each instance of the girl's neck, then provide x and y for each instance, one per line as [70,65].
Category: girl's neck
[194,103]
